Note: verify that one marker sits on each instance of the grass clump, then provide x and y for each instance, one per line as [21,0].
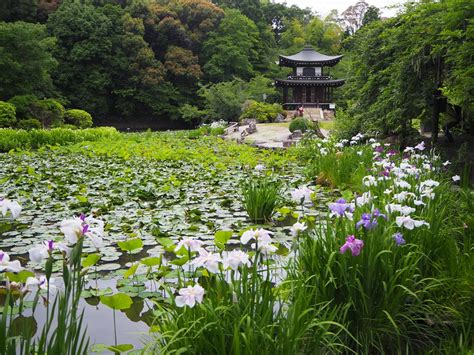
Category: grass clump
[261,195]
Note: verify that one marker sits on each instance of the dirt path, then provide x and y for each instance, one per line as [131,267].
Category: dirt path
[268,135]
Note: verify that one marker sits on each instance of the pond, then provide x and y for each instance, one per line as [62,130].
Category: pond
[136,198]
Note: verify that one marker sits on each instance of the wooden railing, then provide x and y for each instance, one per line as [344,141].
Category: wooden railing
[295,105]
[313,77]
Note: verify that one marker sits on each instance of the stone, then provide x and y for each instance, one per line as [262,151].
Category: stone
[280,118]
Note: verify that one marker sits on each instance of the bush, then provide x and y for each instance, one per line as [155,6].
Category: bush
[78,118]
[50,112]
[190,113]
[20,139]
[25,106]
[30,123]
[7,114]
[262,112]
[301,124]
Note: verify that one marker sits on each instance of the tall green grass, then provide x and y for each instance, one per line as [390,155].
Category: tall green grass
[33,139]
[261,195]
[63,331]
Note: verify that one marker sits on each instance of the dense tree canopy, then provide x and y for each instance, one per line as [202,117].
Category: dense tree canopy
[398,65]
[152,58]
[25,59]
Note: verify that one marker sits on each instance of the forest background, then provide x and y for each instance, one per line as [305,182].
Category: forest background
[178,63]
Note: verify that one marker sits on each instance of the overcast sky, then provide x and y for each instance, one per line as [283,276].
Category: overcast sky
[324,6]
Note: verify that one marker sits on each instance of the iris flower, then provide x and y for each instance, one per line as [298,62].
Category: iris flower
[12,206]
[75,228]
[297,228]
[42,251]
[235,259]
[352,244]
[189,296]
[210,261]
[7,265]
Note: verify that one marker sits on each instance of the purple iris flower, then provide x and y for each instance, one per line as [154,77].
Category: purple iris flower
[82,217]
[1,256]
[367,221]
[398,237]
[376,213]
[379,149]
[85,228]
[50,245]
[385,173]
[340,207]
[392,152]
[355,245]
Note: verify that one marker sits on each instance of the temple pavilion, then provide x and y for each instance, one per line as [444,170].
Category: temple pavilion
[310,84]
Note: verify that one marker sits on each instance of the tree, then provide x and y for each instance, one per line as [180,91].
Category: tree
[25,60]
[371,14]
[279,15]
[294,37]
[18,10]
[353,16]
[398,74]
[230,50]
[224,100]
[106,67]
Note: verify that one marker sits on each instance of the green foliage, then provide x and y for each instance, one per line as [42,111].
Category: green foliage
[119,301]
[7,114]
[78,118]
[18,10]
[26,59]
[63,330]
[49,112]
[231,48]
[29,123]
[261,195]
[190,113]
[224,100]
[19,139]
[262,112]
[300,123]
[25,106]
[383,94]
[333,167]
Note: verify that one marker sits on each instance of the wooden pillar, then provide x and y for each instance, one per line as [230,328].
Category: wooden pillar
[285,94]
[303,94]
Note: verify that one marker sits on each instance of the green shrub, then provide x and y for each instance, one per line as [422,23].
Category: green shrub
[300,124]
[262,112]
[7,114]
[190,113]
[50,112]
[20,139]
[30,123]
[25,106]
[260,195]
[78,118]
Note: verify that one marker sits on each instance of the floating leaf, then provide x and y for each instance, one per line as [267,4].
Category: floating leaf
[22,276]
[116,349]
[222,237]
[151,261]
[131,245]
[118,301]
[167,243]
[131,271]
[90,260]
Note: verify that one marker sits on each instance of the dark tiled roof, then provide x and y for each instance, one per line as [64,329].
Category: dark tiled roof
[287,82]
[307,56]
